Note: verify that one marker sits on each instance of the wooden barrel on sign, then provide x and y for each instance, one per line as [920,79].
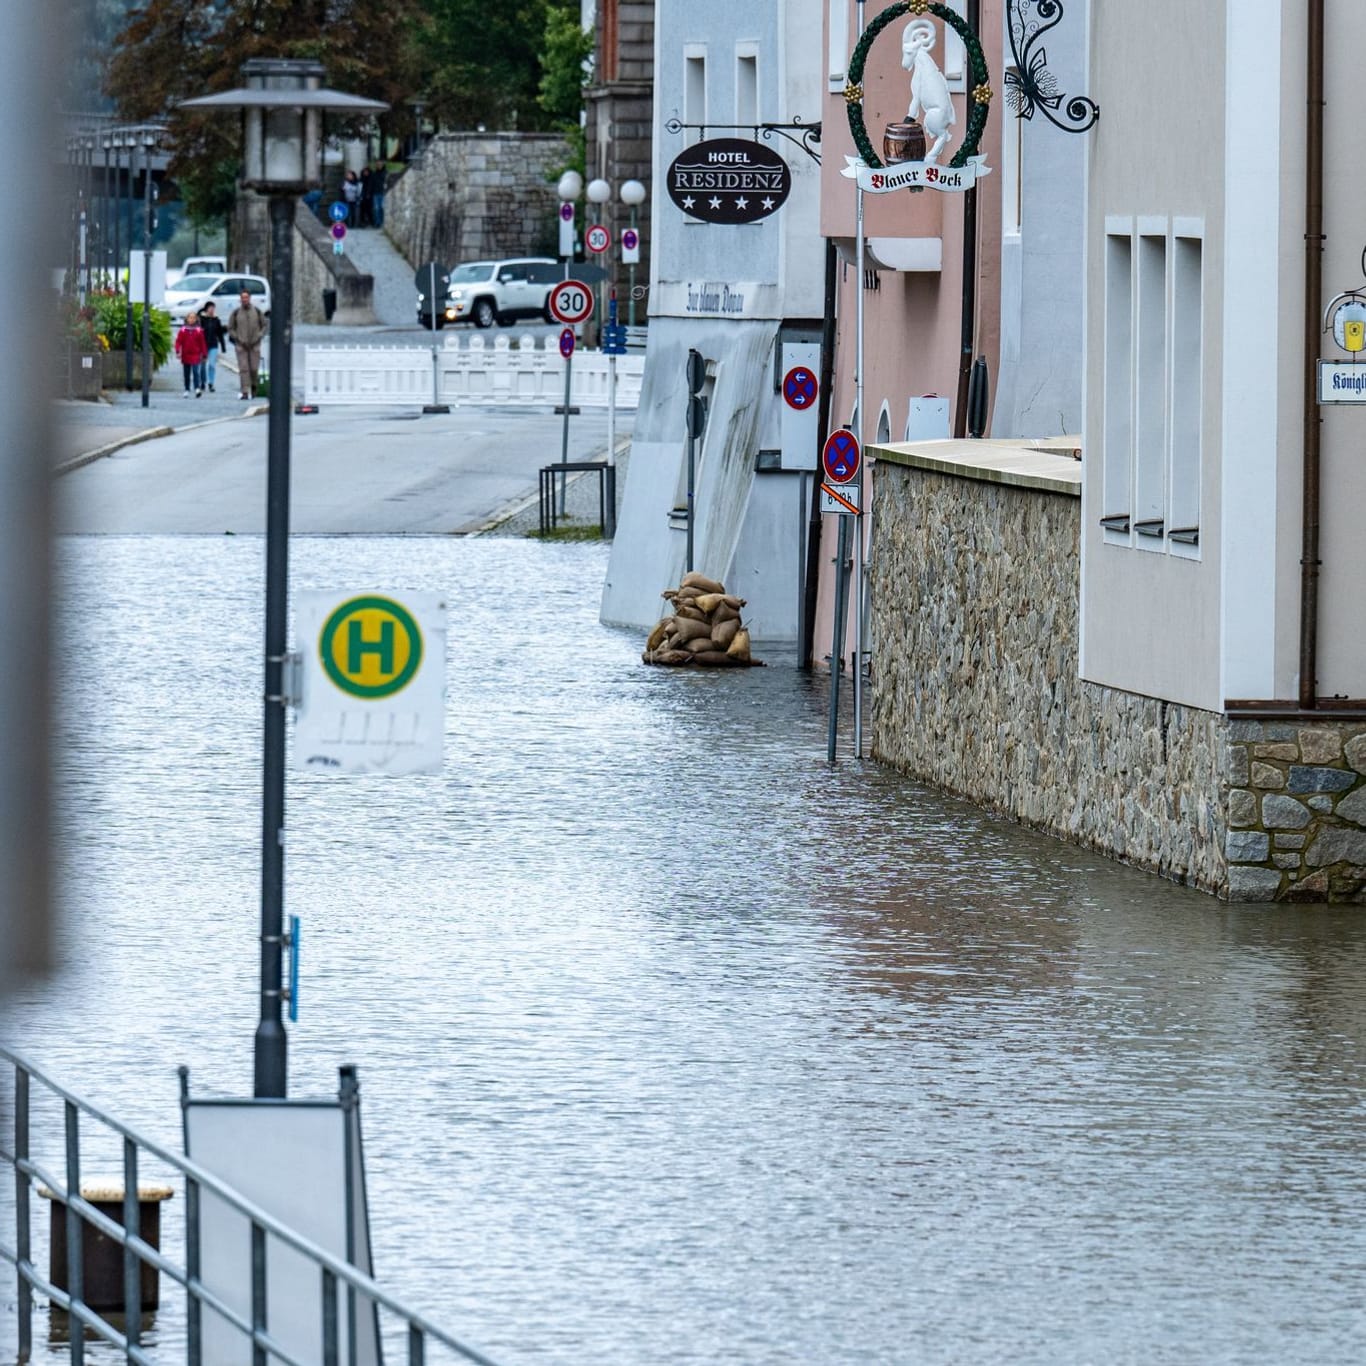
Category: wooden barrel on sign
[904,142]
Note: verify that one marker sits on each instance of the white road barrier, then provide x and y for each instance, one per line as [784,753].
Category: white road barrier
[530,374]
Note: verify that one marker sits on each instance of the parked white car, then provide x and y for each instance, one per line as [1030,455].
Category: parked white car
[502,292]
[194,291]
[197,265]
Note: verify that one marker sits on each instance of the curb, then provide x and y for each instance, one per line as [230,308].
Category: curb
[149,434]
[520,504]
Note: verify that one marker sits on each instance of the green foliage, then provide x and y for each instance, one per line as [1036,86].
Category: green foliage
[78,327]
[484,63]
[111,319]
[568,47]
[174,50]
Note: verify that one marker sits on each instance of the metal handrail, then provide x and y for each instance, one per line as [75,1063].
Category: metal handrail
[136,1251]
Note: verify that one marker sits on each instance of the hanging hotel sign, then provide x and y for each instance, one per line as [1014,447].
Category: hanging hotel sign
[914,146]
[729,180]
[1345,381]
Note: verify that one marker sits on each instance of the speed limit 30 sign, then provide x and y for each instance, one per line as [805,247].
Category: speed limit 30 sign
[571,302]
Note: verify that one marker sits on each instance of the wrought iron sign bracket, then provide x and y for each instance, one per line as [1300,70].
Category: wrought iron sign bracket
[807,136]
[1030,86]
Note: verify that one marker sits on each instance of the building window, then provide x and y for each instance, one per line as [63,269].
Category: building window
[1154,356]
[1187,346]
[746,84]
[695,86]
[838,42]
[1150,443]
[1116,509]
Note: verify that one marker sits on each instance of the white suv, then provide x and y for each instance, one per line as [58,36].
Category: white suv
[488,292]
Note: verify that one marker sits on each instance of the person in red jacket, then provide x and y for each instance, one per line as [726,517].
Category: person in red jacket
[193,351]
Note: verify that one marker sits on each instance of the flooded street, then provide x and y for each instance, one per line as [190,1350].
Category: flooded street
[675,1044]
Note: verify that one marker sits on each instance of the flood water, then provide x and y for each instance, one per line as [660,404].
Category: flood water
[677,1045]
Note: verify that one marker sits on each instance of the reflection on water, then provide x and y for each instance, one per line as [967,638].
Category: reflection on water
[677,1045]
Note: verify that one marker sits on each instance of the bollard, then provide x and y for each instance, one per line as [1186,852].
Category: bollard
[102,1259]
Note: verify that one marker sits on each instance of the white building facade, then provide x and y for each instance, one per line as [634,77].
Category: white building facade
[748,297]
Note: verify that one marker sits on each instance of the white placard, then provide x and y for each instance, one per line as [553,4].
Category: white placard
[373,682]
[302,1163]
[157,282]
[842,499]
[1342,382]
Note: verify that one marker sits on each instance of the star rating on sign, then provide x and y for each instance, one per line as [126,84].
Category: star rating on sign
[714,202]
[742,203]
[688,202]
[766,204]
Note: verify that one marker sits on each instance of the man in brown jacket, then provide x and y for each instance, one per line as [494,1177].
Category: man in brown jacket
[246,328]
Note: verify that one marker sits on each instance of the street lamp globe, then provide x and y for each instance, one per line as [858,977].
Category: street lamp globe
[599,192]
[570,186]
[633,193]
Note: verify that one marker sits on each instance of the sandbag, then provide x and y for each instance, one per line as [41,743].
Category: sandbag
[674,657]
[685,629]
[709,602]
[739,647]
[716,659]
[688,594]
[702,583]
[724,613]
[732,601]
[723,632]
[691,613]
[700,644]
[657,635]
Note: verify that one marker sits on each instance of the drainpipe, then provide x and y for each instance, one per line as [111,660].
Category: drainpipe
[969,331]
[813,542]
[1313,295]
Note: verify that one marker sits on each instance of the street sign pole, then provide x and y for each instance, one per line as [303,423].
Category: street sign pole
[860,427]
[611,509]
[837,644]
[436,405]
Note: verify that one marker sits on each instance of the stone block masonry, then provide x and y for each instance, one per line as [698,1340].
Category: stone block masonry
[976,689]
[1297,815]
[475,196]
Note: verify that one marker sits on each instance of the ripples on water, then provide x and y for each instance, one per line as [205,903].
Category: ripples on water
[677,1045]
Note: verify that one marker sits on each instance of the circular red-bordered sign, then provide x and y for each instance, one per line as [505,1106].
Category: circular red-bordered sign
[800,388]
[841,457]
[571,302]
[597,238]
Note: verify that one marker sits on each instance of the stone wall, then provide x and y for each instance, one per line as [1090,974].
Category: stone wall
[1297,809]
[472,196]
[975,684]
[317,267]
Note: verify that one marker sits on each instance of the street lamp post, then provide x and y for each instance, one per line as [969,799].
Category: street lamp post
[148,136]
[633,196]
[598,193]
[282,103]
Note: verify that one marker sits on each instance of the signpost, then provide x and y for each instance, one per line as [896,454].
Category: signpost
[696,374]
[372,686]
[338,238]
[433,280]
[630,247]
[570,302]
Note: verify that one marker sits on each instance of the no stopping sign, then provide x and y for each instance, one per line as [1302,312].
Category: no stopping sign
[571,302]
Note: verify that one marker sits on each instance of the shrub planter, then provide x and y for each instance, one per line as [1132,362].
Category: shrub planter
[84,374]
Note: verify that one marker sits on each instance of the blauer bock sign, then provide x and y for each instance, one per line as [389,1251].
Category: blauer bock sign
[729,180]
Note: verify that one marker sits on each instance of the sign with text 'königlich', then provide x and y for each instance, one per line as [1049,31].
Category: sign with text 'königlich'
[729,180]
[373,682]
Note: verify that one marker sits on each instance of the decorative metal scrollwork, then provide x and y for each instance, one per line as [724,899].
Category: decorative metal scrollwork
[1030,86]
[807,136]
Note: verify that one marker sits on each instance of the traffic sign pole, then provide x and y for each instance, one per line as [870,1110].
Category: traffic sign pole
[436,405]
[611,508]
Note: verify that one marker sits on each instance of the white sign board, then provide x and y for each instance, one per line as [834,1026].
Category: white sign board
[302,1163]
[1342,382]
[156,284]
[840,498]
[799,408]
[373,682]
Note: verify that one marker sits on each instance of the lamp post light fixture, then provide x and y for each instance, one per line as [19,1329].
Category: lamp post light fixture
[282,106]
[633,196]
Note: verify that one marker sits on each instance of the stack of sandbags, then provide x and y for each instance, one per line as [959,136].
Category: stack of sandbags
[705,628]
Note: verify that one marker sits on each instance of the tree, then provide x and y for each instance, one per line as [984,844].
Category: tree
[565,56]
[173,50]
[484,62]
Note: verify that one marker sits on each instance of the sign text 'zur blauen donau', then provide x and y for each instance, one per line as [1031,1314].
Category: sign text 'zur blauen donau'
[729,180]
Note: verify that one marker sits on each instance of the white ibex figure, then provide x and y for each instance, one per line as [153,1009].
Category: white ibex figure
[931,102]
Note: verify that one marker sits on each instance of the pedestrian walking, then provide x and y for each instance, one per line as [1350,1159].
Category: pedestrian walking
[379,184]
[351,197]
[365,197]
[246,328]
[191,348]
[215,338]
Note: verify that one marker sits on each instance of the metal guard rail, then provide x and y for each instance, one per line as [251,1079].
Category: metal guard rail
[138,1252]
